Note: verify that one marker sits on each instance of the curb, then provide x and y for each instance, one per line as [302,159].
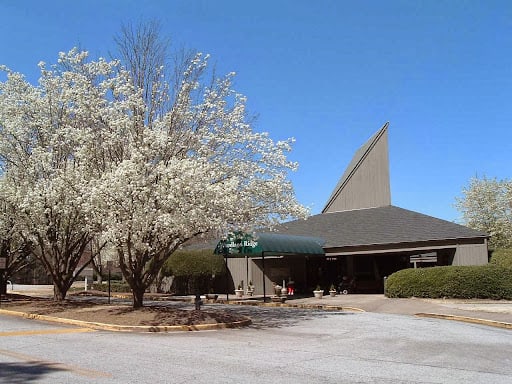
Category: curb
[300,306]
[129,328]
[465,319]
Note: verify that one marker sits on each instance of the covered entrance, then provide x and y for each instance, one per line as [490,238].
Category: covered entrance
[367,271]
[267,259]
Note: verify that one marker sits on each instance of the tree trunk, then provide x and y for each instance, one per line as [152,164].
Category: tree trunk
[59,293]
[138,297]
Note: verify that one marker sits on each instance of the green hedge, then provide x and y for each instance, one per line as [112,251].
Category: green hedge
[115,286]
[485,282]
[193,263]
[195,271]
[502,257]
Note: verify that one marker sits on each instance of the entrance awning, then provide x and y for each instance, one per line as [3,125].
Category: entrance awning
[266,244]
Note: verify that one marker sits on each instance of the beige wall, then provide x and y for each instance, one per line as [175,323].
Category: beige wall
[367,186]
[250,270]
[471,254]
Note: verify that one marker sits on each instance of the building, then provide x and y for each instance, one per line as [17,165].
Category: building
[364,237]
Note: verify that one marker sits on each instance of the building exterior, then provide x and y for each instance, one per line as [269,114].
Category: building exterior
[364,237]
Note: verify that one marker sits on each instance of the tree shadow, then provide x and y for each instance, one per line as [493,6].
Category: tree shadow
[264,317]
[27,372]
[278,317]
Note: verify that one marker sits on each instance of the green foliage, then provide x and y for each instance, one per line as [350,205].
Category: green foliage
[115,286]
[485,282]
[502,257]
[194,271]
[194,263]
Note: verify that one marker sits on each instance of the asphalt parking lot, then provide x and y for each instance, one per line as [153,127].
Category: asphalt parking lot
[285,345]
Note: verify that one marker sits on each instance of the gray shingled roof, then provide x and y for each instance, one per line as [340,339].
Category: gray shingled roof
[384,225]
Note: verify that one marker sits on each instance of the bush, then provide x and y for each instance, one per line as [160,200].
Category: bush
[193,262]
[485,282]
[115,286]
[194,270]
[502,257]
[118,276]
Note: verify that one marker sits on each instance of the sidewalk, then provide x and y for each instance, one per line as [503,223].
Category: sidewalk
[488,311]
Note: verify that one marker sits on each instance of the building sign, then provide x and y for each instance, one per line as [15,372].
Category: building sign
[238,243]
[424,258]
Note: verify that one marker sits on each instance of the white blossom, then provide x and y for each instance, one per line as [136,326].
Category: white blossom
[80,158]
[486,205]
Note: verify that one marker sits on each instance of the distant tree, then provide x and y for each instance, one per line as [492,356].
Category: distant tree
[486,205]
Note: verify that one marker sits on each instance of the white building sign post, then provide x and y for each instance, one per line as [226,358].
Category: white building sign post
[3,267]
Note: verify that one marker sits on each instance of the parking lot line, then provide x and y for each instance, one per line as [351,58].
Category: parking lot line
[45,332]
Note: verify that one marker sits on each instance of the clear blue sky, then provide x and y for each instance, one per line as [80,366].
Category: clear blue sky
[330,74]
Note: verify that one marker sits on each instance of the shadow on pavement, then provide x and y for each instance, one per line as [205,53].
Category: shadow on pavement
[272,317]
[14,373]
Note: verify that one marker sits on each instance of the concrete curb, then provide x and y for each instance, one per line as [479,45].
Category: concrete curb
[300,306]
[465,319]
[129,328]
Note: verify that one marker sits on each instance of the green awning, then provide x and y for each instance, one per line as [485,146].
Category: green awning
[263,244]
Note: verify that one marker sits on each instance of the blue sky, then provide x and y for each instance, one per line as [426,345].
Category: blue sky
[330,74]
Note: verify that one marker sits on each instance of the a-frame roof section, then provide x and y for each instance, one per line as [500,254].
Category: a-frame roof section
[365,183]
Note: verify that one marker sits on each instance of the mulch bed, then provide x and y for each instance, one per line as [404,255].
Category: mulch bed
[154,315]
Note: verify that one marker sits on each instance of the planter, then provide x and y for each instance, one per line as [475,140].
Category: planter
[211,296]
[239,293]
[278,299]
[318,294]
[250,292]
[332,293]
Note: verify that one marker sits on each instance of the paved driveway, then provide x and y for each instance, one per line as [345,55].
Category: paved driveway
[282,346]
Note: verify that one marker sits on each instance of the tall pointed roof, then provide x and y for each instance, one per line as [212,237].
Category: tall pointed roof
[365,183]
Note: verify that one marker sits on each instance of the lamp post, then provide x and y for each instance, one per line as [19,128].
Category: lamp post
[225,253]
[109,268]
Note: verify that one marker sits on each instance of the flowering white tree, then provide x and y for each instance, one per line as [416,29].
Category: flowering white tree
[487,206]
[82,156]
[199,167]
[48,156]
[190,162]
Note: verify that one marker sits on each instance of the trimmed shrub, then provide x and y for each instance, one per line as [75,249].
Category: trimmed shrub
[118,276]
[502,257]
[485,282]
[115,286]
[194,270]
